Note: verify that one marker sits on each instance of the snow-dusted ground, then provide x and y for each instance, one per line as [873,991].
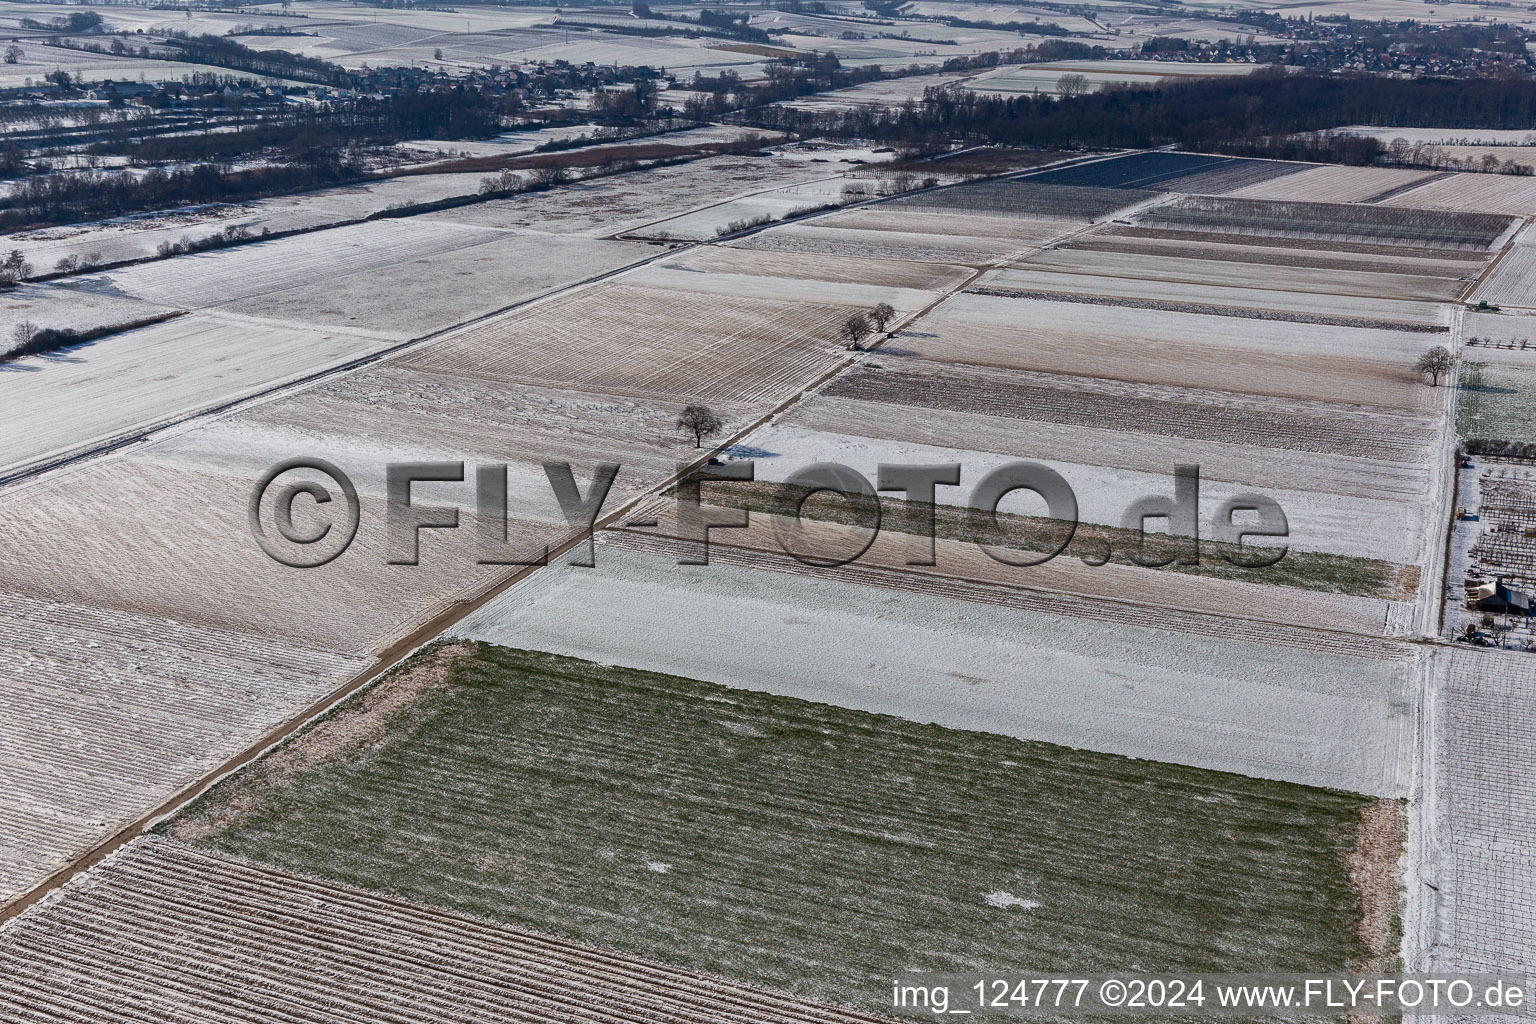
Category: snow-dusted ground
[1495,137]
[138,236]
[1475,885]
[1333,183]
[1319,521]
[88,393]
[1215,277]
[705,224]
[1366,366]
[1111,285]
[1312,717]
[1029,78]
[1477,193]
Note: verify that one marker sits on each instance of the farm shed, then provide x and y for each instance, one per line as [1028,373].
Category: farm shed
[1505,601]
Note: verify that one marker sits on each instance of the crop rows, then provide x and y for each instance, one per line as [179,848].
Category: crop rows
[719,259]
[1220,701]
[1260,254]
[1513,281]
[946,224]
[1486,773]
[1162,171]
[624,340]
[1229,177]
[1370,224]
[1492,193]
[1254,312]
[206,939]
[104,710]
[637,805]
[1334,246]
[1228,277]
[1362,366]
[1174,413]
[1333,183]
[915,244]
[1026,198]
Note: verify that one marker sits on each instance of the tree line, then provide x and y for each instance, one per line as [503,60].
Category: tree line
[1230,114]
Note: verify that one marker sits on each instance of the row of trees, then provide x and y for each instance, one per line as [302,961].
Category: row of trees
[1237,114]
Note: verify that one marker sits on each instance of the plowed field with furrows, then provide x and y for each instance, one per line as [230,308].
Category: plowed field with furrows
[624,340]
[102,710]
[1091,403]
[173,935]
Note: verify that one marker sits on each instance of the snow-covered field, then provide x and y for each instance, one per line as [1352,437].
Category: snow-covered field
[1333,184]
[1414,263]
[1367,366]
[308,952]
[1318,718]
[1481,193]
[1220,275]
[891,93]
[1493,137]
[834,236]
[777,204]
[834,269]
[1319,521]
[420,294]
[1513,281]
[1481,816]
[135,237]
[613,206]
[1029,78]
[629,339]
[1356,298]
[92,392]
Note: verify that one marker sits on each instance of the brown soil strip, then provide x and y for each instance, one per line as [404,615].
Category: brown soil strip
[365,722]
[1376,877]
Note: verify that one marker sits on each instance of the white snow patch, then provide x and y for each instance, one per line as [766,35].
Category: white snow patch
[1004,900]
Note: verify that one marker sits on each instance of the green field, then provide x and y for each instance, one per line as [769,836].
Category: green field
[1497,402]
[794,845]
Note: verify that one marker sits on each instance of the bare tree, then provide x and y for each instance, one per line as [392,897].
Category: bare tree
[506,181]
[13,54]
[854,331]
[550,176]
[1435,363]
[882,315]
[701,421]
[22,335]
[1072,84]
[14,270]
